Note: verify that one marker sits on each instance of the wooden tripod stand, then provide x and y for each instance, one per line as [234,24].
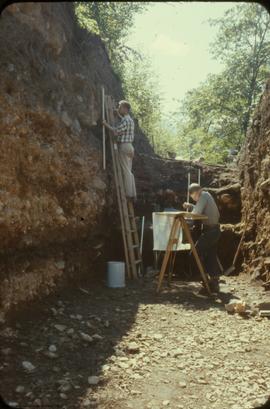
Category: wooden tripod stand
[178,223]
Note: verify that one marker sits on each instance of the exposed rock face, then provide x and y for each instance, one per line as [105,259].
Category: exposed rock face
[56,202]
[154,176]
[54,195]
[255,176]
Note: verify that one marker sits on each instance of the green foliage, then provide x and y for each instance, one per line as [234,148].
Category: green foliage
[243,43]
[216,115]
[111,21]
[197,143]
[166,141]
[140,88]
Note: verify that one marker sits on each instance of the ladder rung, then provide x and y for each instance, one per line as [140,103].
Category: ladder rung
[137,262]
[134,217]
[136,246]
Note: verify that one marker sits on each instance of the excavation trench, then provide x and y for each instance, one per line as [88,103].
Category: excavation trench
[60,225]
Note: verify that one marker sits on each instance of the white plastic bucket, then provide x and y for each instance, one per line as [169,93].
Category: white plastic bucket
[115,274]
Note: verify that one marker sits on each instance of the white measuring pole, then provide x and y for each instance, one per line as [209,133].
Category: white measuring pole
[103,128]
[188,183]
[199,176]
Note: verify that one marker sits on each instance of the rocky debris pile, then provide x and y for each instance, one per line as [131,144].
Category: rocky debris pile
[127,348]
[255,173]
[256,309]
[229,202]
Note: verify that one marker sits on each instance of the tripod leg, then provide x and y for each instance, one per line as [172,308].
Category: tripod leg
[167,255]
[174,250]
[155,260]
[195,253]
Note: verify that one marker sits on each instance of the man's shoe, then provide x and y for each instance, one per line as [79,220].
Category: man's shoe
[203,291]
[214,285]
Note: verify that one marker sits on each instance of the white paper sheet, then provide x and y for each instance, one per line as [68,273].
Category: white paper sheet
[162,224]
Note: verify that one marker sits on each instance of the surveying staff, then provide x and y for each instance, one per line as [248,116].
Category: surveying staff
[124,133]
[208,240]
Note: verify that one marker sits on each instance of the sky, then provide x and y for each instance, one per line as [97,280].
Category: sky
[177,37]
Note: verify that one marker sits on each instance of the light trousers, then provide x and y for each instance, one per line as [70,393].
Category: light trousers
[126,155]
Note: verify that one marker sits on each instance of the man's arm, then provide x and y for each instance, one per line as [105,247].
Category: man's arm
[121,128]
[200,205]
[118,130]
[108,126]
[188,206]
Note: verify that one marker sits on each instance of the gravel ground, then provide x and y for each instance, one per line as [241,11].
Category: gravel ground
[130,348]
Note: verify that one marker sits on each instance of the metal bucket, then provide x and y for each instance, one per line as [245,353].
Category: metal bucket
[115,274]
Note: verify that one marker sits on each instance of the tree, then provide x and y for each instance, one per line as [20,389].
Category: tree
[243,43]
[140,87]
[196,143]
[166,142]
[218,112]
[112,22]
[216,107]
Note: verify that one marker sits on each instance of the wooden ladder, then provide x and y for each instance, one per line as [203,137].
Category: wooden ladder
[126,209]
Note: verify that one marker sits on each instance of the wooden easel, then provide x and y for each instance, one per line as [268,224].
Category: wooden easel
[180,222]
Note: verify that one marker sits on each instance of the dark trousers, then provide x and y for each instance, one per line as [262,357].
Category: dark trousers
[207,249]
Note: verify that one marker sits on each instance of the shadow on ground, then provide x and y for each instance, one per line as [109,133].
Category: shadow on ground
[98,312]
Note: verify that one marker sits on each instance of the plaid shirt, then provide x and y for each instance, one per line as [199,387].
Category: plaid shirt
[125,130]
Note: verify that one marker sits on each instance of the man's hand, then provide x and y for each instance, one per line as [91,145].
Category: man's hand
[108,126]
[187,206]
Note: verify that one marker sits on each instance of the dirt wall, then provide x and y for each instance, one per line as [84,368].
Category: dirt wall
[54,196]
[255,178]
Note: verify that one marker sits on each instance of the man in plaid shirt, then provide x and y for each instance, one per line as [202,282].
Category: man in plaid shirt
[124,133]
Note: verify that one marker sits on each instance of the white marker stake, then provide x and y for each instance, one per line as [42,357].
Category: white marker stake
[199,177]
[188,187]
[103,127]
